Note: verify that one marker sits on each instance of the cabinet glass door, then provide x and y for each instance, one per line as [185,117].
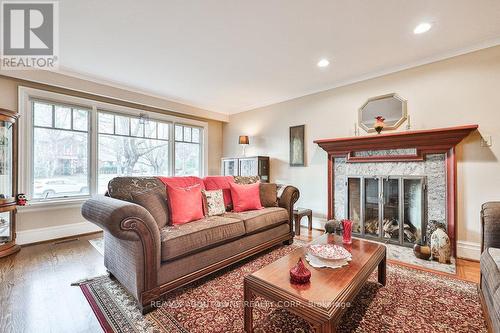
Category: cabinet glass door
[230,167]
[5,229]
[248,167]
[5,160]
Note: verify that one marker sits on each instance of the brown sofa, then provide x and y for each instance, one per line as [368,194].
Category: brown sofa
[149,261]
[490,263]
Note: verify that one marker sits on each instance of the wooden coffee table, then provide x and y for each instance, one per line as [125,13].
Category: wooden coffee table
[325,298]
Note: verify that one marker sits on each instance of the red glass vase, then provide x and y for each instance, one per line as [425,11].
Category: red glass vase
[347,234]
[299,273]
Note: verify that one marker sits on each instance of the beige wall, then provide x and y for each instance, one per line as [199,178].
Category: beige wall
[457,91]
[46,222]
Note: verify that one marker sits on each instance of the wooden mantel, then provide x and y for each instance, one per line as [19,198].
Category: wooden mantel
[429,140]
[441,140]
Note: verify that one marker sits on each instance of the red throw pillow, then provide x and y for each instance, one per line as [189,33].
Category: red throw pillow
[185,203]
[245,197]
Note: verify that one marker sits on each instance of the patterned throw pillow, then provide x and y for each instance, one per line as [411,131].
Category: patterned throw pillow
[215,202]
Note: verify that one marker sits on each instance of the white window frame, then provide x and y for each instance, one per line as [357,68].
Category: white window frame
[25,165]
[201,143]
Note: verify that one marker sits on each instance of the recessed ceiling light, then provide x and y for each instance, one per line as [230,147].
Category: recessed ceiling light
[422,27]
[323,63]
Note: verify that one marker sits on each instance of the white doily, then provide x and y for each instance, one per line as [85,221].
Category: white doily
[319,263]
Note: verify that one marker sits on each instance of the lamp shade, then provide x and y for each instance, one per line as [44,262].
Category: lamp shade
[243,140]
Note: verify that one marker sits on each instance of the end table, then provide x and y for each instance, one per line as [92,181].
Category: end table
[298,214]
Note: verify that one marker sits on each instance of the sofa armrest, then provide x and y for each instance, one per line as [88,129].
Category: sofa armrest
[126,221]
[287,197]
[490,225]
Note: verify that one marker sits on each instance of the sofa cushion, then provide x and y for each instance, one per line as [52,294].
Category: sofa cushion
[184,239]
[256,220]
[490,268]
[496,304]
[220,183]
[269,195]
[122,187]
[185,203]
[182,181]
[214,202]
[245,197]
[246,179]
[155,201]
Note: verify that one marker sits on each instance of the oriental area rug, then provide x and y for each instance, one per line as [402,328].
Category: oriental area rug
[412,301]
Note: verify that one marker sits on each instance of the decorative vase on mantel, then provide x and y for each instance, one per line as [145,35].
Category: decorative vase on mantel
[379,124]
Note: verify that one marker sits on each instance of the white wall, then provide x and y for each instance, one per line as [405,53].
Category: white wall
[457,91]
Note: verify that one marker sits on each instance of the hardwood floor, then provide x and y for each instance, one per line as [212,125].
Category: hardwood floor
[36,293]
[35,288]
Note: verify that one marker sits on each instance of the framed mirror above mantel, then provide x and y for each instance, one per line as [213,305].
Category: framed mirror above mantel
[391,108]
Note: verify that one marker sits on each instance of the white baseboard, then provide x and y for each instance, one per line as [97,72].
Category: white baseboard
[24,237]
[317,223]
[468,250]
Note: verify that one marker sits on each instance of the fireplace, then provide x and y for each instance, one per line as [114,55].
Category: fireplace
[378,205]
[393,184]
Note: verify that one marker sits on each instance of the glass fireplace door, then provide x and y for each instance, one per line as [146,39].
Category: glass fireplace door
[354,203]
[414,209]
[391,209]
[372,207]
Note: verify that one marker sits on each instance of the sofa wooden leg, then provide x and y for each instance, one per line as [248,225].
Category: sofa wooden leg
[288,242]
[111,276]
[145,309]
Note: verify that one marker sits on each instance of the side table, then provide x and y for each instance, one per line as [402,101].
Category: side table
[298,214]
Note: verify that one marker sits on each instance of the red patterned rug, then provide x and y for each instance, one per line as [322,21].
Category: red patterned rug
[412,301]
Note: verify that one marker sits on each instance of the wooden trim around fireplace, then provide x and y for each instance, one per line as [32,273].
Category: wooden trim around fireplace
[433,141]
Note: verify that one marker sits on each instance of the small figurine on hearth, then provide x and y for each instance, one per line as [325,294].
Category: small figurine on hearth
[440,246]
[21,199]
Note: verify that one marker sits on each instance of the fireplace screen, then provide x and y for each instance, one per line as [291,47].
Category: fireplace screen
[378,205]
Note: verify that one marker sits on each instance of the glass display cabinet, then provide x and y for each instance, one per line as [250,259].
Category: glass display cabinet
[246,166]
[8,182]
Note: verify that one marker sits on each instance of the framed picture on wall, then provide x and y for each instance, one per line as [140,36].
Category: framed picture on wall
[297,154]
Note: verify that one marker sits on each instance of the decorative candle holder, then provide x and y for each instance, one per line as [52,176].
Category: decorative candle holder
[347,234]
[379,124]
[299,274]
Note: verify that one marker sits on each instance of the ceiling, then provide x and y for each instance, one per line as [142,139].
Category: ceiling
[230,56]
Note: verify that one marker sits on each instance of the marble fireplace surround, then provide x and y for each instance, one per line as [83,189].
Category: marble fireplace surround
[433,168]
[429,153]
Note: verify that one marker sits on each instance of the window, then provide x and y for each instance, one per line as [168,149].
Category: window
[60,151]
[71,147]
[131,146]
[187,150]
